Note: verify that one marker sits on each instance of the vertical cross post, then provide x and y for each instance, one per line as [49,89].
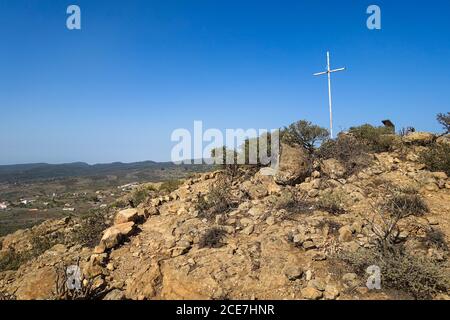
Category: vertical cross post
[328,73]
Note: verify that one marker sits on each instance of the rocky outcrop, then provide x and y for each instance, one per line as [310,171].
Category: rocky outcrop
[294,165]
[419,138]
[114,235]
[128,215]
[333,168]
[276,241]
[444,139]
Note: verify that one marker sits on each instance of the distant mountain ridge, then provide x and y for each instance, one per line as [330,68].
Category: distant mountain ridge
[33,171]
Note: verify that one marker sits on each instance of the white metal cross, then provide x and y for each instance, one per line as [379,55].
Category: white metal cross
[328,72]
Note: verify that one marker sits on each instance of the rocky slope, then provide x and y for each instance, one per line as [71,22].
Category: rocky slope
[278,238]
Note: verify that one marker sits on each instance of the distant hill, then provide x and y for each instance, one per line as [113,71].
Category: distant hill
[39,171]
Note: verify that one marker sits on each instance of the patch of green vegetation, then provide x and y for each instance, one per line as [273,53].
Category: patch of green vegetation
[304,133]
[91,228]
[170,186]
[12,260]
[377,139]
[332,202]
[437,157]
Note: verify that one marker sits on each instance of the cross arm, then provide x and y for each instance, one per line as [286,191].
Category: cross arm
[320,73]
[336,70]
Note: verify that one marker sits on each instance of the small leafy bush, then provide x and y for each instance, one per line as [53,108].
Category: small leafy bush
[377,139]
[139,196]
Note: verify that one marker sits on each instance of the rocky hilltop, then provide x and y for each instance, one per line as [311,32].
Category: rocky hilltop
[309,232]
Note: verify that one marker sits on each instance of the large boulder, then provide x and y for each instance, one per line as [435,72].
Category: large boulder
[126,215]
[294,165]
[311,293]
[419,138]
[444,139]
[255,191]
[37,285]
[115,234]
[333,168]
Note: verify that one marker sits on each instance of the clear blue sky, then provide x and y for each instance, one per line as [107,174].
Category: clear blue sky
[137,70]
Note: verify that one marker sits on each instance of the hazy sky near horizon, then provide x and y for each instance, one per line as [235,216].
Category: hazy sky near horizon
[137,70]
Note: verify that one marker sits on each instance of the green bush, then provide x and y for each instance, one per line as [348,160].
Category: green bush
[140,194]
[377,139]
[305,134]
[436,157]
[170,186]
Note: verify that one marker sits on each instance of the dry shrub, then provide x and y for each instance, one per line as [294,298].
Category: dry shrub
[12,260]
[404,202]
[219,200]
[292,202]
[332,202]
[435,238]
[212,238]
[6,296]
[395,205]
[436,157]
[90,230]
[351,153]
[86,291]
[416,275]
[333,226]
